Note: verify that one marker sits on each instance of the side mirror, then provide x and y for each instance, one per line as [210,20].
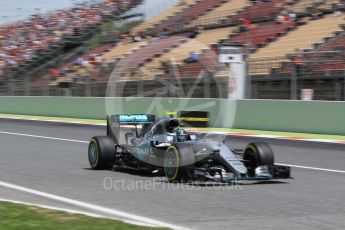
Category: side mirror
[192,137]
[153,143]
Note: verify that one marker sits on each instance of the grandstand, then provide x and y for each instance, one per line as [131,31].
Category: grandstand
[329,4]
[276,33]
[153,49]
[261,11]
[179,7]
[202,42]
[218,14]
[176,22]
[261,34]
[303,38]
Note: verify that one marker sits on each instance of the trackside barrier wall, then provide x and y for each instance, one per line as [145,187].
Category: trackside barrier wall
[276,115]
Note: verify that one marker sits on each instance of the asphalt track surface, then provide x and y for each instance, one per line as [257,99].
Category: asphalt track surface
[314,199]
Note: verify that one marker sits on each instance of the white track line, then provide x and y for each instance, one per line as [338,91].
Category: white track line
[91,206]
[312,168]
[43,137]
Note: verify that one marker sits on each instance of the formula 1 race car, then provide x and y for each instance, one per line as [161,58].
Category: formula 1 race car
[144,143]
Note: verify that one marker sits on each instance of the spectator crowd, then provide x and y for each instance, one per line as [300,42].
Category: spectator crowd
[20,42]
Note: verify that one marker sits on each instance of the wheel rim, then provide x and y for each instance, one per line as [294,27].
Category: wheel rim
[93,155]
[171,162]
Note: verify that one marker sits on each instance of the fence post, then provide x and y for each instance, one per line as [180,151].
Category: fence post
[344,87]
[337,90]
[248,78]
[46,85]
[140,86]
[207,87]
[293,84]
[88,86]
[12,83]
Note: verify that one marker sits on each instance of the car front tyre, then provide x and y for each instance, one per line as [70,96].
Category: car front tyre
[257,154]
[174,166]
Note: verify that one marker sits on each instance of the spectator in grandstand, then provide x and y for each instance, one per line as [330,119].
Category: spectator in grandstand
[74,72]
[336,8]
[182,3]
[193,34]
[2,67]
[245,25]
[104,67]
[286,17]
[193,57]
[2,63]
[289,2]
[54,73]
[292,17]
[84,73]
[79,61]
[280,18]
[137,38]
[164,33]
[316,15]
[201,29]
[21,42]
[196,31]
[298,62]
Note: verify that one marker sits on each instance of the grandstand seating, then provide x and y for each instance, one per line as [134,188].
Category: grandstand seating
[336,43]
[100,50]
[262,33]
[324,58]
[302,6]
[224,11]
[190,70]
[179,7]
[122,49]
[328,4]
[153,49]
[208,64]
[177,21]
[336,63]
[185,78]
[261,11]
[304,37]
[202,42]
[272,45]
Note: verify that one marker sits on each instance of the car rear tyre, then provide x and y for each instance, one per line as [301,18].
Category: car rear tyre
[101,152]
[257,154]
[175,166]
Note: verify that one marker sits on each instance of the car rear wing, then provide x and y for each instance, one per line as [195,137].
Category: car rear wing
[131,119]
[115,122]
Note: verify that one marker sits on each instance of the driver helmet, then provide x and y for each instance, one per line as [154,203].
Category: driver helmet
[180,134]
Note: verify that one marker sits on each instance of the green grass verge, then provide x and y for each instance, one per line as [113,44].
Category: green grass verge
[246,131]
[18,217]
